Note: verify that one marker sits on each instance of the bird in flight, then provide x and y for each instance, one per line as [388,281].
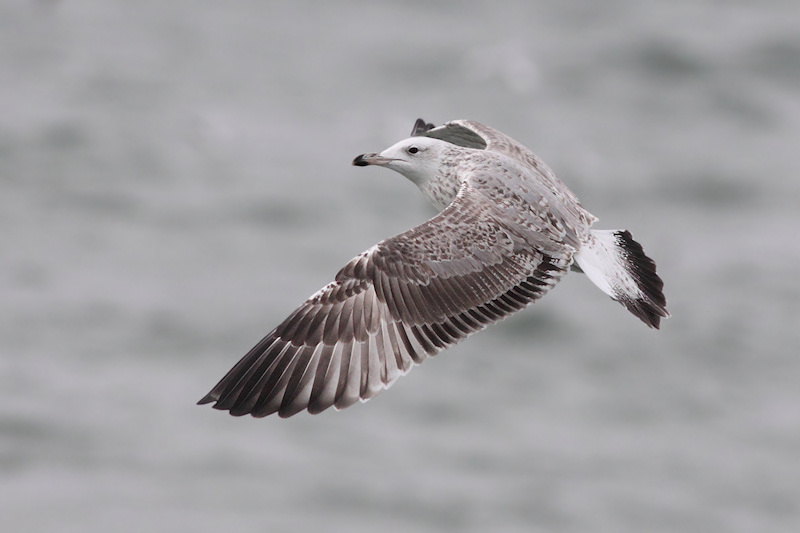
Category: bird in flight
[507,231]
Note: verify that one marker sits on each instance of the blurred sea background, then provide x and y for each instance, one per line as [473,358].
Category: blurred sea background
[175,178]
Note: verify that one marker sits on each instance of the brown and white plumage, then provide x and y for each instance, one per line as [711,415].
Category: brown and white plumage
[508,231]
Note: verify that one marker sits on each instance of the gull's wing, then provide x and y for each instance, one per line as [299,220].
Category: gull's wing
[420,127]
[405,299]
[471,134]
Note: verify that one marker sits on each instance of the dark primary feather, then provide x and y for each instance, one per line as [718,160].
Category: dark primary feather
[389,308]
[420,127]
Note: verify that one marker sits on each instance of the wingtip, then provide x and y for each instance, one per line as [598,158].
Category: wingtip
[208,398]
[420,127]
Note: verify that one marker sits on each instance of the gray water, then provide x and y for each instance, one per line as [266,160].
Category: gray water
[175,178]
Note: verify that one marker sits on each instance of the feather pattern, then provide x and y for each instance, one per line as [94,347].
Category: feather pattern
[391,307]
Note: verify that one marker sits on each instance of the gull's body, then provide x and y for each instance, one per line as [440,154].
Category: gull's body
[507,231]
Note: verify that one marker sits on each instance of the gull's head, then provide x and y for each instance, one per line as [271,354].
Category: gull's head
[417,158]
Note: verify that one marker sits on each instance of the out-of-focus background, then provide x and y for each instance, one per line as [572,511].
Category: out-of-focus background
[175,178]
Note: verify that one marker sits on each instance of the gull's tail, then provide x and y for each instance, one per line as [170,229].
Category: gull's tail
[617,264]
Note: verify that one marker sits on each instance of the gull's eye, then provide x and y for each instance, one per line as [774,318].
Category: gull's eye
[413,150]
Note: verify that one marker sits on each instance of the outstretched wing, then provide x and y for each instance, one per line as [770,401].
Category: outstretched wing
[403,300]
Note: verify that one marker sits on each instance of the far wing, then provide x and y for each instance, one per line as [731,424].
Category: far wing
[471,134]
[391,307]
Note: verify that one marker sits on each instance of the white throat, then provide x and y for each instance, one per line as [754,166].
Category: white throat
[430,164]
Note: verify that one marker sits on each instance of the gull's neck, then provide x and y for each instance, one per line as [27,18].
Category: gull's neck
[441,186]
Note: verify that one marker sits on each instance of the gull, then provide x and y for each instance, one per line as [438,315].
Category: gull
[506,232]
